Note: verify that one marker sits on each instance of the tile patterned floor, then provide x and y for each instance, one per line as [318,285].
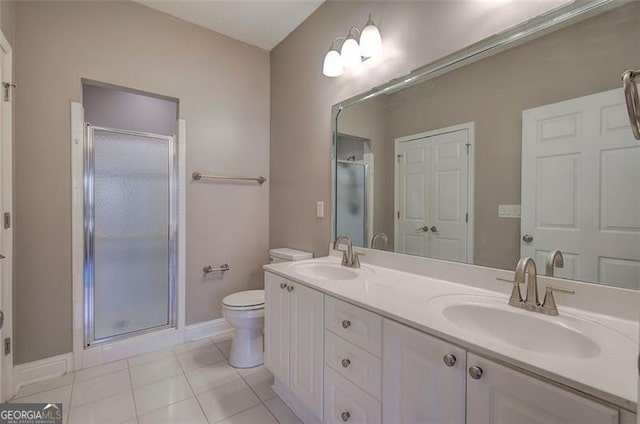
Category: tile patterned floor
[191,383]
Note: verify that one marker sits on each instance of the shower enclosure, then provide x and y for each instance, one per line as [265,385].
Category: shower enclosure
[351,194]
[130,233]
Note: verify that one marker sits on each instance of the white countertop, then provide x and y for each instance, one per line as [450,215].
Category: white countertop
[611,375]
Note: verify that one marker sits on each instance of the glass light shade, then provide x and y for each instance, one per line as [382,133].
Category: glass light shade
[332,66]
[370,41]
[350,53]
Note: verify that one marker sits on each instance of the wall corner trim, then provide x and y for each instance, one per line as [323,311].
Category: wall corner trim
[43,369]
[214,328]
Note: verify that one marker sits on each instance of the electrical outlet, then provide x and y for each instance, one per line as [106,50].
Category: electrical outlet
[319,209]
[509,211]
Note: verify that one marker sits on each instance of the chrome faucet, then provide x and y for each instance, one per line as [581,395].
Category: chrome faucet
[349,257]
[379,236]
[527,266]
[554,259]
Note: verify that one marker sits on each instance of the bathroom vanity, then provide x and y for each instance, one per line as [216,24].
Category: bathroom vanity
[376,344]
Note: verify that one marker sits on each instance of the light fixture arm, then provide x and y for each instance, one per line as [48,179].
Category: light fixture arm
[332,45]
[369,21]
[351,30]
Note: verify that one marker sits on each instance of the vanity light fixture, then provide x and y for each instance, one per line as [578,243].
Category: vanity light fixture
[370,40]
[332,66]
[352,53]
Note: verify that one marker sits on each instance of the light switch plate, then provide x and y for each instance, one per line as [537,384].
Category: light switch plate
[509,211]
[319,209]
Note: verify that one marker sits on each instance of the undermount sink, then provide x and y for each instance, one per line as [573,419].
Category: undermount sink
[327,271]
[489,317]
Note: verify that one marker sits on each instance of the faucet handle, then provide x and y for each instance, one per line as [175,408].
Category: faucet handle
[549,303]
[356,259]
[506,280]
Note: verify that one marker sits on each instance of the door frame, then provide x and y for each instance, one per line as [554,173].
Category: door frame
[470,127]
[6,280]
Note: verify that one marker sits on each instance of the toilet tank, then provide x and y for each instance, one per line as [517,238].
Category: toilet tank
[284,254]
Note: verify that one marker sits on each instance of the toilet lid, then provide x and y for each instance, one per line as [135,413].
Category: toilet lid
[244,299]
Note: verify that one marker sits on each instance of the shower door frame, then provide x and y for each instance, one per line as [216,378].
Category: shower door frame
[89,219]
[368,209]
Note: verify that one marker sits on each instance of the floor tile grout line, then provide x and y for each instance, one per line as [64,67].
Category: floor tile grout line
[169,404]
[238,413]
[258,396]
[196,396]
[16,397]
[103,399]
[271,412]
[73,386]
[133,393]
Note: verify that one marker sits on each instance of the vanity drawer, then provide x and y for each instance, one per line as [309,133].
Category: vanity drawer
[356,365]
[345,402]
[360,327]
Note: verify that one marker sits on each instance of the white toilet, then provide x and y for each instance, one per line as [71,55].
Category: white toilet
[244,311]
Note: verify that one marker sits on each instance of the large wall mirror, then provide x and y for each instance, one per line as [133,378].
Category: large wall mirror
[514,147]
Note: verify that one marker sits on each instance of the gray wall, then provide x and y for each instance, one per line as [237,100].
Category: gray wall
[115,107]
[414,33]
[223,88]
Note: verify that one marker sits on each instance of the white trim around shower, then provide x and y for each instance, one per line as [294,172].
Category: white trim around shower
[84,357]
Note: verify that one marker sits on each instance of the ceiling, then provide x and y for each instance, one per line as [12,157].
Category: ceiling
[262,23]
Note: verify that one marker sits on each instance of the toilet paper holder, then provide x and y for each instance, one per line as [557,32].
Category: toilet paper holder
[208,269]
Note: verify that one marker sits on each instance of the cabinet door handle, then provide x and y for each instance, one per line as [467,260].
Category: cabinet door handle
[283,285]
[345,416]
[475,373]
[346,323]
[346,362]
[449,360]
[289,289]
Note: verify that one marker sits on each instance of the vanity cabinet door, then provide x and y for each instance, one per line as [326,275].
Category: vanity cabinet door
[276,326]
[418,386]
[500,395]
[305,378]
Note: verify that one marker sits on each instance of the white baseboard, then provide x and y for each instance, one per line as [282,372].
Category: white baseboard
[214,328]
[42,369]
[56,366]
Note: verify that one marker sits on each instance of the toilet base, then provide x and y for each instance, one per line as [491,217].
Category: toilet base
[247,348]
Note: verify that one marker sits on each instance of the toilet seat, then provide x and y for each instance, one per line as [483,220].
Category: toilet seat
[244,301]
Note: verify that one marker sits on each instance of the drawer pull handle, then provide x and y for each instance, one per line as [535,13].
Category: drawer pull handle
[449,360]
[283,285]
[346,362]
[345,416]
[475,373]
[346,324]
[290,289]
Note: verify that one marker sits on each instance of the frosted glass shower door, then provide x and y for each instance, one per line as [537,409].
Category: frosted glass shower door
[130,240]
[351,201]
